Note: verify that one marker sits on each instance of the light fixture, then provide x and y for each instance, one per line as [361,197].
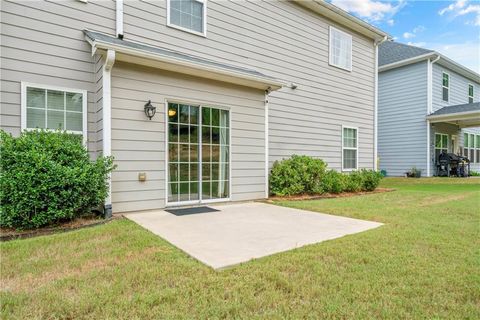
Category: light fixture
[149,109]
[172,112]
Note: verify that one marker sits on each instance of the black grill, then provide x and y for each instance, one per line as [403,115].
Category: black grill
[450,164]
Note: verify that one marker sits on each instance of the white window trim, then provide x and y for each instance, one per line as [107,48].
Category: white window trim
[330,49]
[23,112]
[201,104]
[441,140]
[349,148]
[474,148]
[202,34]
[473,92]
[448,88]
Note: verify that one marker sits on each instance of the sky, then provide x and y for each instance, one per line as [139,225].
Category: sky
[449,27]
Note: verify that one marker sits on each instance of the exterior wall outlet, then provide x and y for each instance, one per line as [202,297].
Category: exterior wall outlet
[142,176]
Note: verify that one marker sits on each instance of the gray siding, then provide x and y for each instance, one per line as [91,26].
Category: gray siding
[139,145]
[402,128]
[458,88]
[43,42]
[286,41]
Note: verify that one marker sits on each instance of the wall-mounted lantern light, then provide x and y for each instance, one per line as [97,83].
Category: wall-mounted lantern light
[149,109]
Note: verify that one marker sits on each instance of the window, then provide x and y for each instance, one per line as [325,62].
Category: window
[340,49]
[48,107]
[441,144]
[470,93]
[187,15]
[445,86]
[349,148]
[471,147]
[198,153]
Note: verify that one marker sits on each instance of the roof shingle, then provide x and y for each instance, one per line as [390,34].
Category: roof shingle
[390,52]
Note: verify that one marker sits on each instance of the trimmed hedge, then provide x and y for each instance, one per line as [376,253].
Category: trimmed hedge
[306,175]
[297,175]
[48,177]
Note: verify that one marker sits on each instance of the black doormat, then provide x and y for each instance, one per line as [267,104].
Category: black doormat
[188,211]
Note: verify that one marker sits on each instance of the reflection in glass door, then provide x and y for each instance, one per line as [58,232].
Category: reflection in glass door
[198,153]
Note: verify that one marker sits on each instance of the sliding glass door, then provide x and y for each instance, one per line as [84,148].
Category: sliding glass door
[198,153]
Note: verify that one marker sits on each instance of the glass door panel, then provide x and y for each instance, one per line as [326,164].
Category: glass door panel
[198,153]
[183,162]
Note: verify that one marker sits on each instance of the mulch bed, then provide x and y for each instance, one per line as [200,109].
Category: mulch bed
[79,223]
[328,195]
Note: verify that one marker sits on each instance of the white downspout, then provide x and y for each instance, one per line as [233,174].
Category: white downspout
[267,193]
[429,109]
[107,120]
[119,19]
[375,107]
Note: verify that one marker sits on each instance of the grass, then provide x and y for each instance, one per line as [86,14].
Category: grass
[423,263]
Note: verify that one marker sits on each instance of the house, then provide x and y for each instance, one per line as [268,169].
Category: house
[427,104]
[195,99]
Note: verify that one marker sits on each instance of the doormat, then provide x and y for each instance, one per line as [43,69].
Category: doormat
[188,211]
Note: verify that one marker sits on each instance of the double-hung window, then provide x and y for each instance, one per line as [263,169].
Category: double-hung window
[441,144]
[470,93]
[187,15]
[445,86]
[349,148]
[340,49]
[47,107]
[471,147]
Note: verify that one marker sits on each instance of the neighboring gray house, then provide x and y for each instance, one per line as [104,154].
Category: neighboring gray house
[236,85]
[427,104]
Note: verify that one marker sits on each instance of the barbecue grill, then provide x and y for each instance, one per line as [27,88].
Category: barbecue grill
[451,164]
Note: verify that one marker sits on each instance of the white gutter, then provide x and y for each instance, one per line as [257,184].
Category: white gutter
[119,19]
[107,120]
[267,155]
[184,66]
[429,108]
[375,106]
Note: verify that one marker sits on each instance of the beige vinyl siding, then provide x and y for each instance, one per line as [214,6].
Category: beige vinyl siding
[138,145]
[43,42]
[286,41]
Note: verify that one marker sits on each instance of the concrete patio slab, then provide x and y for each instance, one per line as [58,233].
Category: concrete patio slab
[240,232]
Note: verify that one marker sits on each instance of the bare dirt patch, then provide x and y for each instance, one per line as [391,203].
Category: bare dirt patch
[11,234]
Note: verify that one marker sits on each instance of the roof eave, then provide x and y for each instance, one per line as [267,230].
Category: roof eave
[142,57]
[344,18]
[457,116]
[408,61]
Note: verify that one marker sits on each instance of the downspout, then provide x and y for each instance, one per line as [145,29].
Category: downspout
[375,107]
[119,19]
[267,191]
[429,109]
[107,121]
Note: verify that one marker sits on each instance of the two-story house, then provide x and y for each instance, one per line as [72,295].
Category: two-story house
[427,104]
[195,99]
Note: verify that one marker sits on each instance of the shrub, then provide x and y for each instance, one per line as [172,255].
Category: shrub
[297,175]
[474,173]
[47,177]
[370,179]
[354,181]
[333,182]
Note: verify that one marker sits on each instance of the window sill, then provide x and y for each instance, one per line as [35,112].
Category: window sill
[173,26]
[339,67]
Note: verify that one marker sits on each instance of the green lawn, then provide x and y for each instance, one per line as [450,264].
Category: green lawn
[423,263]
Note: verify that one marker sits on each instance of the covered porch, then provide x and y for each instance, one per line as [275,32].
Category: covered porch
[454,130]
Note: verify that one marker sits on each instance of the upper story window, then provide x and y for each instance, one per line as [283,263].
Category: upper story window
[340,52]
[470,93]
[349,148]
[187,15]
[445,86]
[47,107]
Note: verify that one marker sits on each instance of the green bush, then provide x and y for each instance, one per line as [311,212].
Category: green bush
[333,182]
[354,181]
[297,175]
[370,179]
[48,177]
